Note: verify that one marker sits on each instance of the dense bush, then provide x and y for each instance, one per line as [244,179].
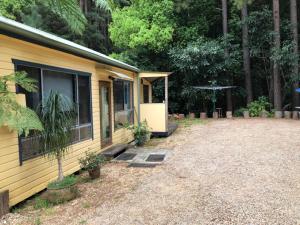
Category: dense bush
[258,106]
[141,133]
[66,182]
[91,161]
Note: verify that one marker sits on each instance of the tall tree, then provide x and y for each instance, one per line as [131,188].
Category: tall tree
[294,25]
[246,53]
[225,33]
[276,71]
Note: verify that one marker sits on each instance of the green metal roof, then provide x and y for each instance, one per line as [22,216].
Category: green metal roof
[12,27]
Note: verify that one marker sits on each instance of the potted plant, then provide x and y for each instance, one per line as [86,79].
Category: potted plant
[57,114]
[61,191]
[141,133]
[92,163]
[203,115]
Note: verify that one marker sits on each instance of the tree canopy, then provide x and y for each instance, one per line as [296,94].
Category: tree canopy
[184,36]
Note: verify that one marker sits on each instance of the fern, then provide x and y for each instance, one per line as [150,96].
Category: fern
[13,115]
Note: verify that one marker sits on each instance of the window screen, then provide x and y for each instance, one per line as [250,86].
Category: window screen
[146,93]
[73,85]
[123,103]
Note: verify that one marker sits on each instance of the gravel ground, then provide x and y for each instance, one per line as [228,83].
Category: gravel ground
[223,172]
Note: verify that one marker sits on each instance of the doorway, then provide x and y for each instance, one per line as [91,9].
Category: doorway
[105,113]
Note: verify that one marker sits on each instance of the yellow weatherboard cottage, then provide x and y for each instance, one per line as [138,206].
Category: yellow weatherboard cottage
[109,93]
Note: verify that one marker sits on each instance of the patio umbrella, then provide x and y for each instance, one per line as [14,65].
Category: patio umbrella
[214,89]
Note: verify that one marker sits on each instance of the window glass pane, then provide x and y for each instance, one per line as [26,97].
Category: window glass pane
[123,103]
[118,95]
[84,99]
[146,93]
[59,82]
[85,133]
[32,98]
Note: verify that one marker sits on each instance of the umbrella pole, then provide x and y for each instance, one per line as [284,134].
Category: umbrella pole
[214,100]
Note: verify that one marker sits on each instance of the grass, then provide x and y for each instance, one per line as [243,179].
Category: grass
[37,221]
[86,205]
[187,122]
[41,203]
[82,222]
[66,182]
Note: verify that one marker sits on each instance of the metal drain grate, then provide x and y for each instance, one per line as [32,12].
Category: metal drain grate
[155,158]
[141,165]
[126,156]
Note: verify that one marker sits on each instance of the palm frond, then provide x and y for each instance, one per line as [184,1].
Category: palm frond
[12,114]
[57,114]
[70,11]
[103,4]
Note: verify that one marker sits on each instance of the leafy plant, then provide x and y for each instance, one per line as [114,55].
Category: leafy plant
[91,161]
[258,106]
[57,114]
[12,114]
[239,112]
[141,133]
[40,203]
[64,183]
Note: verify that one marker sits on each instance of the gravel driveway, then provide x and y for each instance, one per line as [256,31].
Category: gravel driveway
[223,172]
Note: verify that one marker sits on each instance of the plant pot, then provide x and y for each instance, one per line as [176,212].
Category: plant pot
[287,114]
[215,115]
[203,115]
[278,114]
[295,115]
[58,196]
[246,114]
[229,114]
[181,116]
[192,115]
[94,173]
[264,114]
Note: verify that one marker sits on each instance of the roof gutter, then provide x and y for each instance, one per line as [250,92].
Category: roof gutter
[8,26]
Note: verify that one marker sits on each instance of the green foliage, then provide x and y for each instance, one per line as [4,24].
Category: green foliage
[65,183]
[91,161]
[13,115]
[140,132]
[11,8]
[258,106]
[57,114]
[40,203]
[239,112]
[145,23]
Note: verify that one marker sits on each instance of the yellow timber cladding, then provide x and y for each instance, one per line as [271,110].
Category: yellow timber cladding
[34,174]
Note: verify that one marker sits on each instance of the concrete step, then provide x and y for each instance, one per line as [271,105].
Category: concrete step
[114,151]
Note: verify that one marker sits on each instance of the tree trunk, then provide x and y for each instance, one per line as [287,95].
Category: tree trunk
[60,167]
[276,72]
[246,54]
[294,23]
[225,32]
[81,4]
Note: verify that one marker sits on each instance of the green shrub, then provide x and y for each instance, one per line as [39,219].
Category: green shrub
[40,203]
[141,133]
[59,196]
[258,106]
[239,112]
[91,161]
[65,183]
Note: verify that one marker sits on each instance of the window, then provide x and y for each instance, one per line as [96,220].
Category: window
[123,102]
[146,93]
[75,85]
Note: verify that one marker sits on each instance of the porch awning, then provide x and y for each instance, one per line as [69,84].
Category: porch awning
[118,75]
[152,76]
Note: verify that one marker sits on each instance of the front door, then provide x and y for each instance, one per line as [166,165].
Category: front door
[105,113]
